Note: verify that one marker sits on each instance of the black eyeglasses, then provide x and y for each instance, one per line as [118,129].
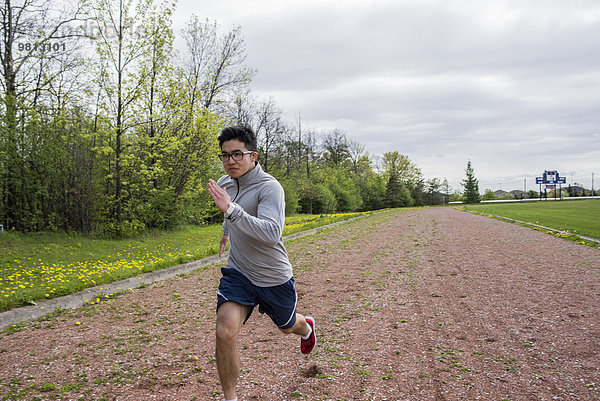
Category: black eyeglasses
[236,155]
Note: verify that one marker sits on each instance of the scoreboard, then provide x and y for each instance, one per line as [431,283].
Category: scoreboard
[550,177]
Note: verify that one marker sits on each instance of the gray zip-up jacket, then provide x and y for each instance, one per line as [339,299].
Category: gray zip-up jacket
[255,227]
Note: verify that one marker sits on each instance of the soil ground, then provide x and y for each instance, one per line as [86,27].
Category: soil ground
[421,304]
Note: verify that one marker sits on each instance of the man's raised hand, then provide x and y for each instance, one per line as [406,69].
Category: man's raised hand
[219,195]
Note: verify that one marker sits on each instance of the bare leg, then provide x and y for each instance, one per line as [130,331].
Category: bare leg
[230,317]
[300,327]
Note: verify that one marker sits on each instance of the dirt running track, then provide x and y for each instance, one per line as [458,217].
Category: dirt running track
[427,304]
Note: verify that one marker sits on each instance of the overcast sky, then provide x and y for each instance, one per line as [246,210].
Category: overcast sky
[514,86]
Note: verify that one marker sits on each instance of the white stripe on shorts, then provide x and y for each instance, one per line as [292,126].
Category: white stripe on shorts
[294,311]
[224,297]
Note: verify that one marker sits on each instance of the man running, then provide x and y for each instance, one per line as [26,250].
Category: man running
[258,271]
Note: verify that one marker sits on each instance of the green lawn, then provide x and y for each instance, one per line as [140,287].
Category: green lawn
[47,265]
[574,216]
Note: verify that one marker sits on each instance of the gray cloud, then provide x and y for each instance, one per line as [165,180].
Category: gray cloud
[512,85]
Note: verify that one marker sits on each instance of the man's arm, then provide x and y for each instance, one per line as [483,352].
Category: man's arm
[223,201]
[267,226]
[223,244]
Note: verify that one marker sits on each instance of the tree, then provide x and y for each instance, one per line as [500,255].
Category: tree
[241,111]
[344,188]
[368,182]
[316,198]
[447,190]
[418,192]
[404,180]
[122,46]
[356,152]
[269,131]
[488,195]
[471,186]
[374,192]
[336,148]
[215,69]
[34,37]
[406,171]
[433,188]
[394,192]
[310,153]
[456,196]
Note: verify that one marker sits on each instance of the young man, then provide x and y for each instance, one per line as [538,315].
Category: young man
[258,271]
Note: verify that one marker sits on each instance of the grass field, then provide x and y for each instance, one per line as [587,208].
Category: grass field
[574,216]
[47,265]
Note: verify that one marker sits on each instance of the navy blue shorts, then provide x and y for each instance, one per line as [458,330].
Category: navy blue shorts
[278,302]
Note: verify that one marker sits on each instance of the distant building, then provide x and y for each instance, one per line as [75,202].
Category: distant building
[576,190]
[501,194]
[517,194]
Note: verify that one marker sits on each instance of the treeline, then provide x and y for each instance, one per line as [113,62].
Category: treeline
[105,128]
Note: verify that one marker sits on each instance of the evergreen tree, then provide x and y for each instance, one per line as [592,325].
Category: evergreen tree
[471,186]
[392,191]
[397,194]
[447,190]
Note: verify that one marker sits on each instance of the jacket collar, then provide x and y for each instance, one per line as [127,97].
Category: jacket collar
[251,175]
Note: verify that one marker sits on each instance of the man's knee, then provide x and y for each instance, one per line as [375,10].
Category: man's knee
[226,333]
[230,317]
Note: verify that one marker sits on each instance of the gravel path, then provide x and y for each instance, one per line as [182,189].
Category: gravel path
[422,304]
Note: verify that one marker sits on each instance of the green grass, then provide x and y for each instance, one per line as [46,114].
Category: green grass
[304,222]
[47,265]
[575,216]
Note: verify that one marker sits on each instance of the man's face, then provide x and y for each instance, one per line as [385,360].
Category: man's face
[237,168]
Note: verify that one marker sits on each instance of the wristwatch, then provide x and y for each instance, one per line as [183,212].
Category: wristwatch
[230,209]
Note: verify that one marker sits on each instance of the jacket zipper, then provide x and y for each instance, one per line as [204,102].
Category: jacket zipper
[238,189]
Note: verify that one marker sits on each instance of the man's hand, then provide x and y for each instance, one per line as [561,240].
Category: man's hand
[223,244]
[219,195]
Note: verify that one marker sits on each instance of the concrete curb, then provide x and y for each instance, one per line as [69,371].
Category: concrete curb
[74,301]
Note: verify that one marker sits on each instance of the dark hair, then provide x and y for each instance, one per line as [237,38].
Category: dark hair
[241,133]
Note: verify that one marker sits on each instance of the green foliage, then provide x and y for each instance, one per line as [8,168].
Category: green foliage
[471,186]
[404,181]
[291,196]
[397,193]
[399,165]
[457,196]
[343,187]
[122,229]
[417,193]
[374,193]
[488,195]
[393,192]
[433,195]
[156,188]
[316,199]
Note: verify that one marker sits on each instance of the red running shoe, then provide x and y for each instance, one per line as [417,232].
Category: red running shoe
[306,346]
